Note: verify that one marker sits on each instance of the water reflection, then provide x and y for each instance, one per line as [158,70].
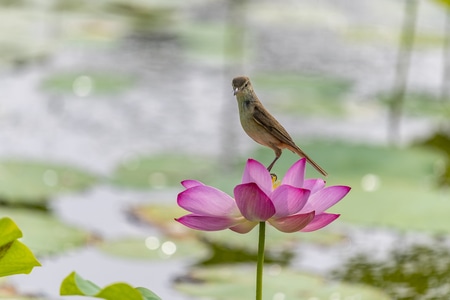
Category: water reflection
[417,272]
[221,253]
[440,141]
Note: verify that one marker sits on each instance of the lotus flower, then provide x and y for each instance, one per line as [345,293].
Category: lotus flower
[294,205]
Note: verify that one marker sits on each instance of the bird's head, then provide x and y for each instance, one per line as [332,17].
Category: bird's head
[241,84]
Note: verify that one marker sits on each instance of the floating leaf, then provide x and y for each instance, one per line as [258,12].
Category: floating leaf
[32,183]
[15,257]
[74,284]
[161,171]
[325,94]
[223,246]
[98,83]
[154,248]
[206,40]
[380,177]
[162,216]
[44,233]
[237,282]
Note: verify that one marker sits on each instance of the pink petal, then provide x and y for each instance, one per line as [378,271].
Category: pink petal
[253,203]
[320,221]
[206,223]
[288,200]
[207,201]
[296,174]
[256,172]
[190,183]
[314,185]
[292,223]
[327,197]
[244,227]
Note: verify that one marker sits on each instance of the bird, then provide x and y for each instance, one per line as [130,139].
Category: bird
[261,126]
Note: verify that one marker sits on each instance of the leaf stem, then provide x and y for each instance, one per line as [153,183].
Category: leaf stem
[260,263]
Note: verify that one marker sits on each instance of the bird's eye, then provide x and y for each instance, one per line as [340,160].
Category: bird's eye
[245,85]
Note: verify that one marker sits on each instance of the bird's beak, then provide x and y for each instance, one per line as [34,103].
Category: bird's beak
[235,90]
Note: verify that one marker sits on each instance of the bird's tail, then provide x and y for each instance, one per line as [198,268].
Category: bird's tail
[313,163]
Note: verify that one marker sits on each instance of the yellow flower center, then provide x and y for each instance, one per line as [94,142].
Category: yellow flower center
[275,182]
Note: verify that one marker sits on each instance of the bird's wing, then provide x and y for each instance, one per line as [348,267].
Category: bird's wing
[265,119]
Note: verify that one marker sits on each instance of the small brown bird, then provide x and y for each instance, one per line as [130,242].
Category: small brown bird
[261,126]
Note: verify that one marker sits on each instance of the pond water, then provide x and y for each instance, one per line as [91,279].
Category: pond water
[175,105]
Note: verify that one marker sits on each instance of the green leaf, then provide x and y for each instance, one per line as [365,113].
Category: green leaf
[444,2]
[8,231]
[74,284]
[112,292]
[15,257]
[148,295]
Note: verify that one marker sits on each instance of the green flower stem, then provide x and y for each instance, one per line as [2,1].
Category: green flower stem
[260,263]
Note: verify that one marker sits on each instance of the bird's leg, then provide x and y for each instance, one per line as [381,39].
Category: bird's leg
[277,156]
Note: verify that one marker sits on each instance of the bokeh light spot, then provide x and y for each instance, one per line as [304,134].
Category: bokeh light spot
[274,270]
[50,178]
[169,248]
[82,86]
[370,182]
[152,243]
[279,296]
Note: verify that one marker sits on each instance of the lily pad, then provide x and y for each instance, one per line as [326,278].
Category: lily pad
[161,171]
[44,233]
[420,103]
[154,248]
[145,16]
[33,183]
[162,216]
[206,40]
[394,186]
[275,239]
[84,83]
[304,94]
[237,282]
